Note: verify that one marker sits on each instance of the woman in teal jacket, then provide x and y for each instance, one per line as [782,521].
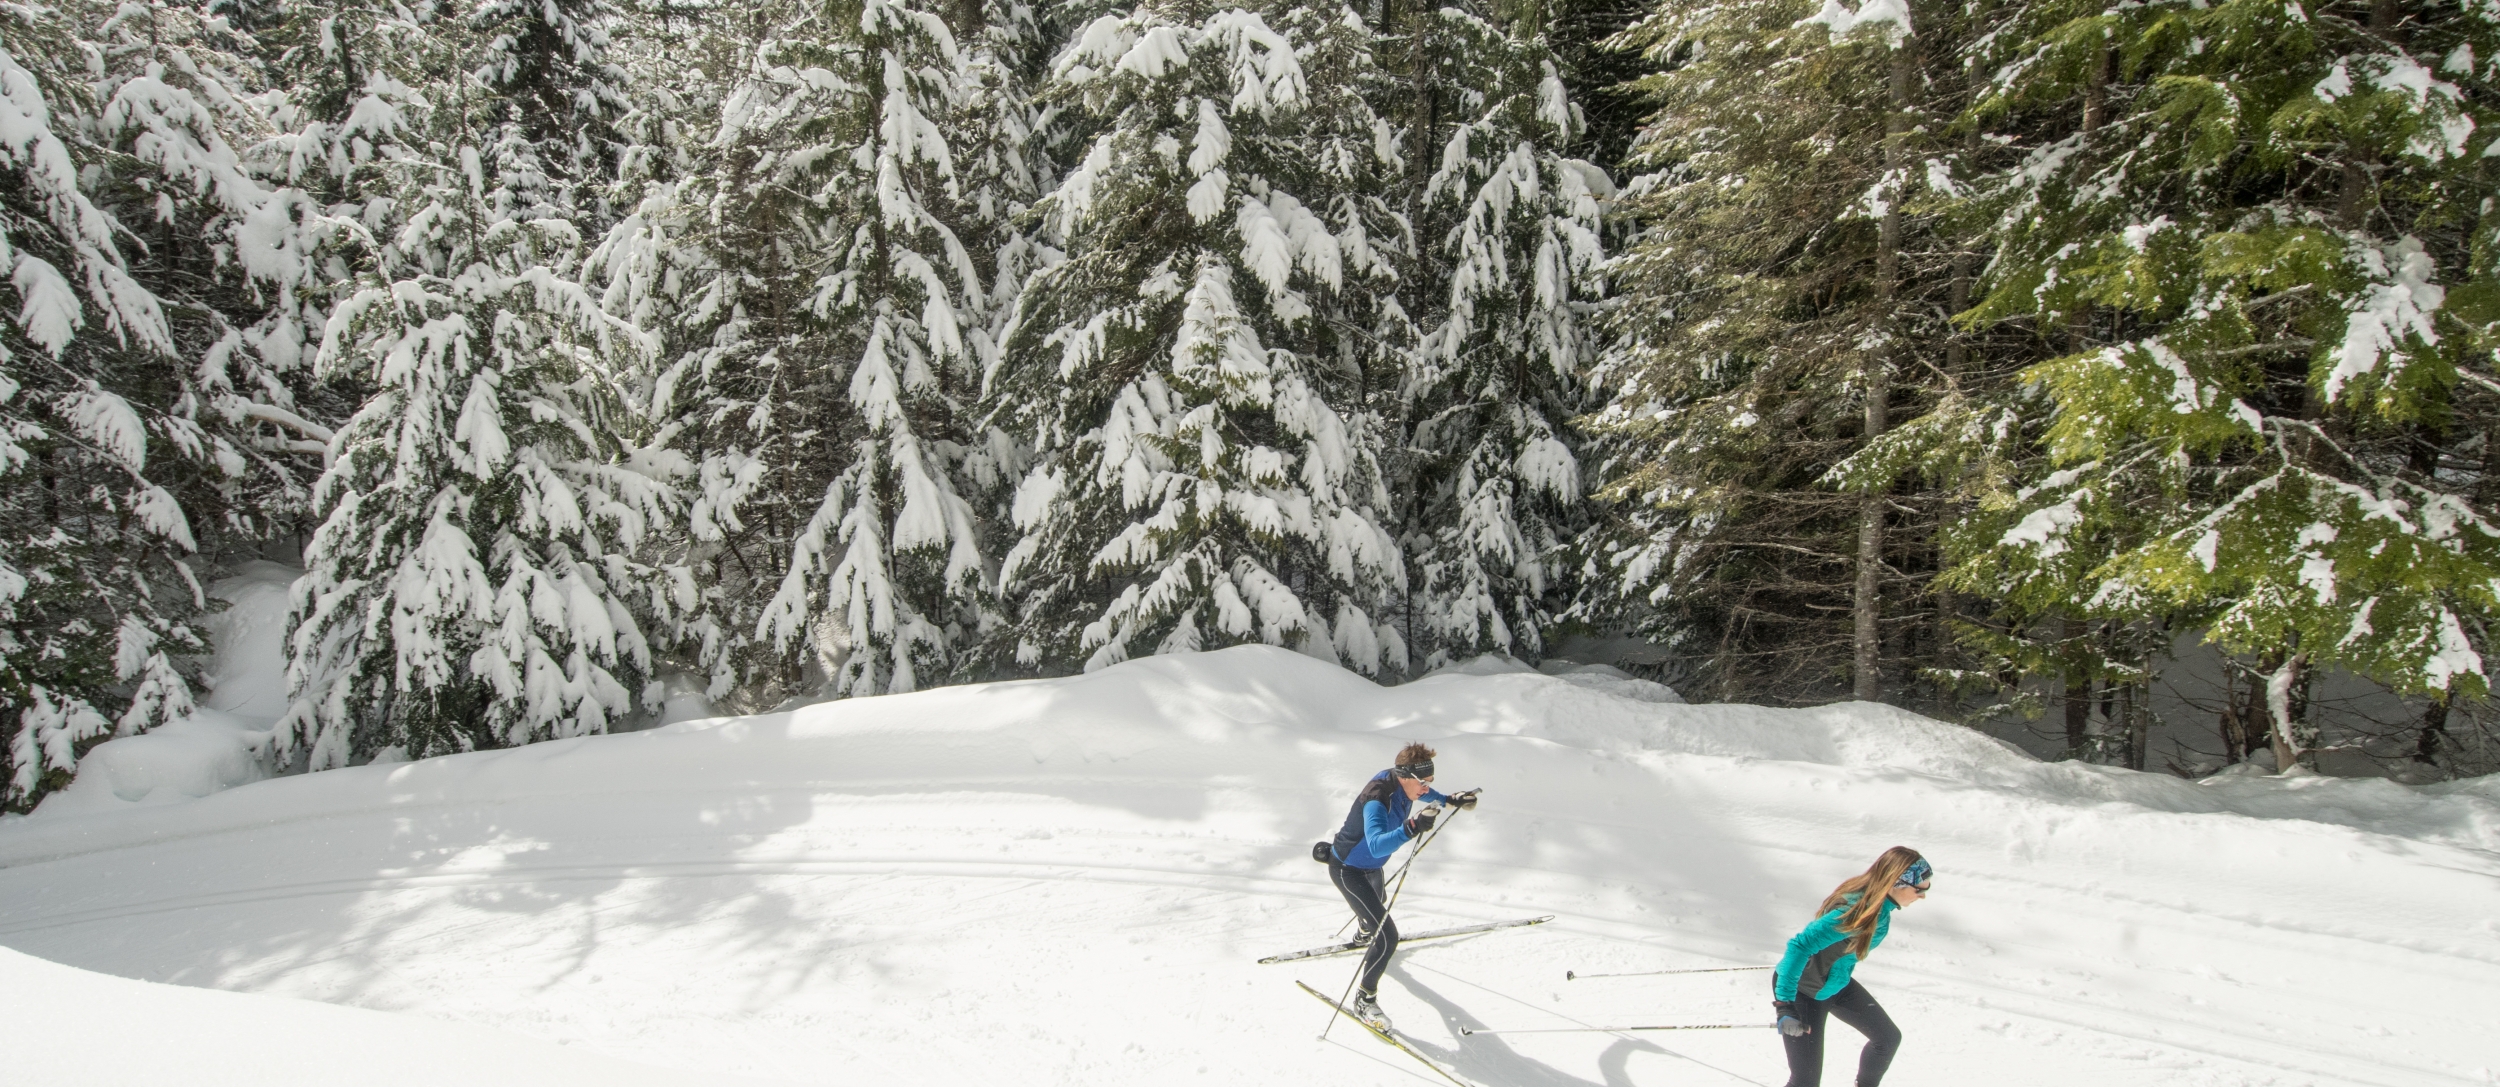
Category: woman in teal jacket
[1812,983]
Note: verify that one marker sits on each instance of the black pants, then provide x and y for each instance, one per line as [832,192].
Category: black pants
[1366,890]
[1852,1005]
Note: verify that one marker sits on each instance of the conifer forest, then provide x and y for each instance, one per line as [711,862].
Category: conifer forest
[1984,358]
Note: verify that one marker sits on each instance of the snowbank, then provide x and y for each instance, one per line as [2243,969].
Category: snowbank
[1591,714]
[1081,872]
[1596,677]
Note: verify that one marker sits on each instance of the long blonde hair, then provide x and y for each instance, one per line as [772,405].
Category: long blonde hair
[1871,888]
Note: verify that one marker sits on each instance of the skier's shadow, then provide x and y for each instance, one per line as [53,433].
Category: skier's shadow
[1488,1059]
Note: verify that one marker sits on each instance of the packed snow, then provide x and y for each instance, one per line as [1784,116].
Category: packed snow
[1068,881]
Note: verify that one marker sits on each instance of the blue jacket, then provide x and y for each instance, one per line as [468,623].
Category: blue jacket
[1376,826]
[1818,959]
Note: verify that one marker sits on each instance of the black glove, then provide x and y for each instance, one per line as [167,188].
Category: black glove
[1465,801]
[1790,1023]
[1422,822]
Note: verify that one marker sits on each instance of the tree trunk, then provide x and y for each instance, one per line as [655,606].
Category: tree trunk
[1877,379]
[2228,723]
[1956,359]
[2078,692]
[2095,114]
[1868,635]
[2434,731]
[2280,692]
[2079,337]
[2096,92]
[1948,608]
[2138,726]
[2109,688]
[1422,156]
[2242,710]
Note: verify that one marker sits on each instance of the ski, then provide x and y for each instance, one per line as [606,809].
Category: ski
[1435,934]
[1615,1030]
[1386,1036]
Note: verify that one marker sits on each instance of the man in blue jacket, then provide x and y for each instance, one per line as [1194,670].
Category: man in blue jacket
[1381,820]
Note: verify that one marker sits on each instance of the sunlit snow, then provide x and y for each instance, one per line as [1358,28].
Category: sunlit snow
[1068,881]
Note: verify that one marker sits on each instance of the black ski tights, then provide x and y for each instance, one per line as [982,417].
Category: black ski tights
[1365,890]
[1852,1005]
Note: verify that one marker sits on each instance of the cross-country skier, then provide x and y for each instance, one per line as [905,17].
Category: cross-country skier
[1381,820]
[1812,983]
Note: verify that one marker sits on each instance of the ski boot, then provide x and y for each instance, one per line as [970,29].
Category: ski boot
[1367,1009]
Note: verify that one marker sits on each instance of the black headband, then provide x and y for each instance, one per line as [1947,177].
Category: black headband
[1414,770]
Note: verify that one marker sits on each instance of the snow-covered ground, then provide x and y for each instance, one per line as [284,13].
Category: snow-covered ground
[1068,881]
[70,1028]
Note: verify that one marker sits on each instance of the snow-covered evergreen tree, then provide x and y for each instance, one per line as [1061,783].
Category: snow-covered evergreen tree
[1776,287]
[1003,139]
[2274,421]
[825,279]
[475,581]
[1205,471]
[557,90]
[848,348]
[1502,295]
[144,406]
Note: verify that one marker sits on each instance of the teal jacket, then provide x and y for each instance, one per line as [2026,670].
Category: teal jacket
[1818,959]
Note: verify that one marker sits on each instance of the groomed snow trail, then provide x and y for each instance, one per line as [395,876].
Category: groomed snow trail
[1067,881]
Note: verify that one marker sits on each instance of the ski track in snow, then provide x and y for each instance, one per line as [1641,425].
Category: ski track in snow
[1068,881]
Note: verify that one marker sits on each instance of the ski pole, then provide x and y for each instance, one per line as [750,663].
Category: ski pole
[1611,1030]
[1400,889]
[1570,976]
[1420,846]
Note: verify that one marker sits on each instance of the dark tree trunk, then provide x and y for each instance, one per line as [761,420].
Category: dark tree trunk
[2139,726]
[2433,735]
[1868,607]
[2078,699]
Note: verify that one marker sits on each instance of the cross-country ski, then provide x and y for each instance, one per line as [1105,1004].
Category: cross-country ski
[1472,1031]
[1389,1035]
[1412,937]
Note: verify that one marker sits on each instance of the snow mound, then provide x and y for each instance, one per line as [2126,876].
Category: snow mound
[177,761]
[1612,680]
[225,742]
[1604,678]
